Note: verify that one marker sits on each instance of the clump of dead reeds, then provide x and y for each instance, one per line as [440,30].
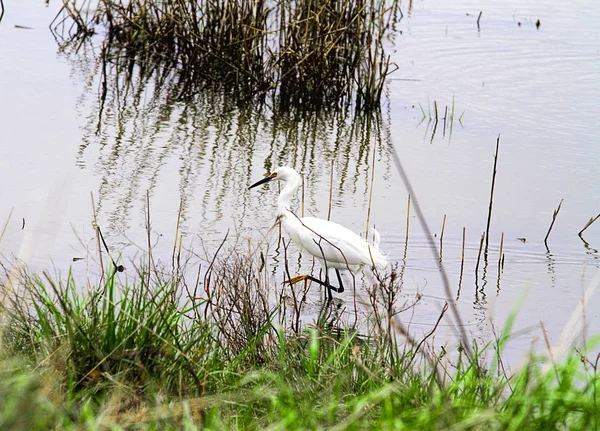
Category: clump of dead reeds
[308,53]
[240,303]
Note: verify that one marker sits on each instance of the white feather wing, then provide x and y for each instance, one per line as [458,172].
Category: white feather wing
[339,245]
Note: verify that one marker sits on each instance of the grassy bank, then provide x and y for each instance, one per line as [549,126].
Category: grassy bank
[142,351]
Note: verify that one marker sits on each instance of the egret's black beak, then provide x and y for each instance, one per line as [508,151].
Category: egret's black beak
[264,180]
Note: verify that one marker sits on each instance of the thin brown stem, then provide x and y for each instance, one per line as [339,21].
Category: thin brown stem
[97,238]
[6,224]
[554,215]
[302,200]
[407,219]
[489,220]
[330,192]
[371,190]
[176,233]
[442,235]
[462,263]
[444,309]
[479,255]
[588,224]
[148,232]
[545,333]
[500,255]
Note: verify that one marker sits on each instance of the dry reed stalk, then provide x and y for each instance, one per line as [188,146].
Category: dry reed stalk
[6,223]
[489,220]
[302,204]
[545,333]
[462,255]
[177,232]
[179,253]
[501,255]
[148,232]
[451,117]
[433,363]
[444,309]
[97,238]
[435,121]
[407,219]
[371,191]
[330,191]
[554,215]
[207,276]
[462,263]
[442,235]
[479,255]
[584,326]
[588,224]
[403,268]
[445,117]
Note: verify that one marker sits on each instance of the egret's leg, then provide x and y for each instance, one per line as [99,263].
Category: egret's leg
[297,279]
[339,277]
[325,283]
[339,289]
[328,286]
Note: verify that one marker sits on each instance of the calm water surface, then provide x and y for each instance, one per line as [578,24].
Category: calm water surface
[538,88]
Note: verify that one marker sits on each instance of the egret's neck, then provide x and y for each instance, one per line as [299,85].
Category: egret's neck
[285,197]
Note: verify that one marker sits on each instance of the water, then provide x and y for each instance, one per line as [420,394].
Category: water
[537,88]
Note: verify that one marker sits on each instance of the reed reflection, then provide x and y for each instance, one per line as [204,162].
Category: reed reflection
[141,133]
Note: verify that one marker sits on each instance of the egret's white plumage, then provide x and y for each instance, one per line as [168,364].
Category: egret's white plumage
[325,240]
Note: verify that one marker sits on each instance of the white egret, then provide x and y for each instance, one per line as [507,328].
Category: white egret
[333,245]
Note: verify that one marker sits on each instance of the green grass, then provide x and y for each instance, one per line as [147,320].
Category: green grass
[139,355]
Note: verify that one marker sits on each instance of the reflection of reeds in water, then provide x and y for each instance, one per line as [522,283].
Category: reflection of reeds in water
[301,53]
[139,132]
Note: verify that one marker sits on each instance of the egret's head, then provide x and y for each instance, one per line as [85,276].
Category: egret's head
[283,173]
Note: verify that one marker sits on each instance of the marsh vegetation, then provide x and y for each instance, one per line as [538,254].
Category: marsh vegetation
[232,351]
[184,105]
[306,54]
